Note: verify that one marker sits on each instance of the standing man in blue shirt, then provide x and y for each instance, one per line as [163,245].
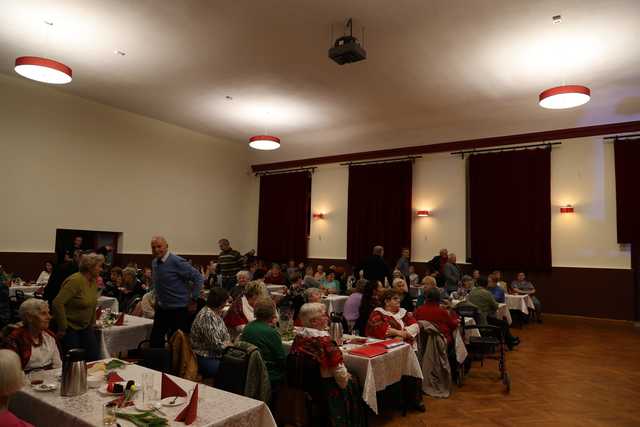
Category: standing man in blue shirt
[177,287]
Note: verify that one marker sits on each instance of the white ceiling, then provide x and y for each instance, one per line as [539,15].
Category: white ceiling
[437,70]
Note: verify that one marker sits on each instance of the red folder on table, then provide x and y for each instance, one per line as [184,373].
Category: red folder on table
[368,351]
[392,343]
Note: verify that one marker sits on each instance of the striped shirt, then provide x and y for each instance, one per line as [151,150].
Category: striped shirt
[229,263]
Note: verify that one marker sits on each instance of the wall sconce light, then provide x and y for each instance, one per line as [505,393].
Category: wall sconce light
[566,209]
[318,215]
[423,213]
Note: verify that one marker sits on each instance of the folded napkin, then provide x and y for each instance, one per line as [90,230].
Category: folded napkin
[98,313]
[190,412]
[120,320]
[170,388]
[113,377]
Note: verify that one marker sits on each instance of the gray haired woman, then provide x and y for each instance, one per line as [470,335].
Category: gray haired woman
[12,379]
[74,308]
[34,343]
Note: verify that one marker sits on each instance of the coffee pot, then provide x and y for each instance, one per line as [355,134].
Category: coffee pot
[74,373]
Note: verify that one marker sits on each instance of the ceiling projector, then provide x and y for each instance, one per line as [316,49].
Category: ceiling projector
[347,49]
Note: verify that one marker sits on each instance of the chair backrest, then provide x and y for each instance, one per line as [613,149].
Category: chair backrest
[133,304]
[303,373]
[158,359]
[232,374]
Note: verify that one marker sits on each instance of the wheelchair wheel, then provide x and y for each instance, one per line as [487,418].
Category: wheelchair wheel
[506,380]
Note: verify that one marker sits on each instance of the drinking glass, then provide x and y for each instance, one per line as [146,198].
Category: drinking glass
[148,391]
[109,414]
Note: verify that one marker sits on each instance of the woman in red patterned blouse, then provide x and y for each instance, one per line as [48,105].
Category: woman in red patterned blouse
[391,320]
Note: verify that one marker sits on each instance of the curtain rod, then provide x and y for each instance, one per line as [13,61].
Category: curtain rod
[278,172]
[375,162]
[634,135]
[498,149]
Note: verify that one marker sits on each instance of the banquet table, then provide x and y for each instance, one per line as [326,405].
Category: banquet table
[28,290]
[109,302]
[377,373]
[277,288]
[115,339]
[519,302]
[335,303]
[215,407]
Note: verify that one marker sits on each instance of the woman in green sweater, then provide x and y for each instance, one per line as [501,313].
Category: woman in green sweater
[75,307]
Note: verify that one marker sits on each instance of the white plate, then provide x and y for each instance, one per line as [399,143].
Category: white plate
[144,407]
[167,401]
[45,387]
[103,389]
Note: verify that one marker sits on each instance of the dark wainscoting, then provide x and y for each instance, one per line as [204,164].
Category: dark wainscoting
[29,264]
[606,293]
[593,292]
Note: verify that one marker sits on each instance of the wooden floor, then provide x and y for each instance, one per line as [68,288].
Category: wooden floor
[567,372]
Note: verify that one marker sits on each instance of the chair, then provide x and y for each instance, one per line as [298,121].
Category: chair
[490,341]
[132,305]
[242,371]
[158,359]
[303,376]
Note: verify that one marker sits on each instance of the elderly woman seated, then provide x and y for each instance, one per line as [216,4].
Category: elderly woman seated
[209,335]
[12,379]
[34,343]
[390,320]
[242,278]
[313,341]
[241,311]
[310,295]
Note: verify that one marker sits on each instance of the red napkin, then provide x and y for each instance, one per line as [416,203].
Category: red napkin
[386,342]
[170,388]
[113,377]
[120,320]
[368,351]
[119,402]
[98,313]
[190,412]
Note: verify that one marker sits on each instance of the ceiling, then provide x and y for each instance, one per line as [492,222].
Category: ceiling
[437,70]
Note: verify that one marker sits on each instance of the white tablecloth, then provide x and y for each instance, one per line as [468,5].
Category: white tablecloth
[335,303]
[519,302]
[30,289]
[460,343]
[109,302]
[215,407]
[377,373]
[115,339]
[503,312]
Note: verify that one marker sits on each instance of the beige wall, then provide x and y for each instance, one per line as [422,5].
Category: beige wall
[582,174]
[68,162]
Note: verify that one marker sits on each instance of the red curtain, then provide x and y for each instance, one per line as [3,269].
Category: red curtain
[379,210]
[283,224]
[627,161]
[510,209]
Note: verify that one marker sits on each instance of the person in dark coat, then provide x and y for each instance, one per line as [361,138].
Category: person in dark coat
[374,267]
[59,275]
[437,264]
